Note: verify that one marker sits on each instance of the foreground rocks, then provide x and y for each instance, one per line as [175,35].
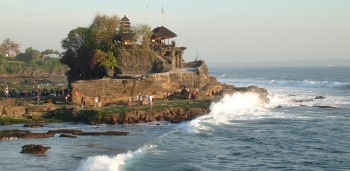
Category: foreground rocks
[68,136]
[34,149]
[36,125]
[25,134]
[109,133]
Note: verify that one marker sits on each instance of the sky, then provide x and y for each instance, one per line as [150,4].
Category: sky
[221,31]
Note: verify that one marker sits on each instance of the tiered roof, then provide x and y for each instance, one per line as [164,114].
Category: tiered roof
[125,28]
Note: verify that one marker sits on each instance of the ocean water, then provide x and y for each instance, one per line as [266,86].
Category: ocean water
[295,131]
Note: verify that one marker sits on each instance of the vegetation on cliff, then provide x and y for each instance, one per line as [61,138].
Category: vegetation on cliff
[91,53]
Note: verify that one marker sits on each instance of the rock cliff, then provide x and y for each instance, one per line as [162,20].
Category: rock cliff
[118,90]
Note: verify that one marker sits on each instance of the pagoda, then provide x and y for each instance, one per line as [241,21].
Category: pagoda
[125,34]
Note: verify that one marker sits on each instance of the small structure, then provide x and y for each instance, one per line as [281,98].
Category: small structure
[125,35]
[161,34]
[171,53]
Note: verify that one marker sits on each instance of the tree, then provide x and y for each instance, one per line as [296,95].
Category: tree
[29,54]
[9,48]
[88,47]
[103,30]
[143,34]
[76,39]
[50,53]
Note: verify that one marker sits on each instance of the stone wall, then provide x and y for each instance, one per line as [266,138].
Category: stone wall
[118,90]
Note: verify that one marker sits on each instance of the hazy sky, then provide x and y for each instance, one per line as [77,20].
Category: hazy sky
[220,30]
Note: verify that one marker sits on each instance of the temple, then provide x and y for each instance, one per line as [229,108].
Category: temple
[166,55]
[156,67]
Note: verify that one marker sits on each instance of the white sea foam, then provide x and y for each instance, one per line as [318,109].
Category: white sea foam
[107,163]
[239,106]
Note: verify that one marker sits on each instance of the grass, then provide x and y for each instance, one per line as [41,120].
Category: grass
[158,106]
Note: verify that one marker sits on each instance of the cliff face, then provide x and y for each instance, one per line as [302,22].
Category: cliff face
[116,90]
[173,114]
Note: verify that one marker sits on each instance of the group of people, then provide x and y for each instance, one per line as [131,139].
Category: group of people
[189,94]
[142,100]
[37,93]
[33,92]
[97,101]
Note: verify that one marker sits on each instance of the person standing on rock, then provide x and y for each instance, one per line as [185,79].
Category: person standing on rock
[6,91]
[96,101]
[82,102]
[130,101]
[37,98]
[66,98]
[99,101]
[140,100]
[147,99]
[150,100]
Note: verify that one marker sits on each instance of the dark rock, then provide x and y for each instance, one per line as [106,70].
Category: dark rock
[25,134]
[109,133]
[36,125]
[301,100]
[320,97]
[7,137]
[278,107]
[68,136]
[35,135]
[326,107]
[34,149]
[12,134]
[66,131]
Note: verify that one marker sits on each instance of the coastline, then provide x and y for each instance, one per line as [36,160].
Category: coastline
[55,110]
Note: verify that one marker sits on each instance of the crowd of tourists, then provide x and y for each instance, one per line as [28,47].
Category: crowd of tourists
[14,92]
[37,93]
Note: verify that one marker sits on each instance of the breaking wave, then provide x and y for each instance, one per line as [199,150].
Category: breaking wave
[238,106]
[291,83]
[108,163]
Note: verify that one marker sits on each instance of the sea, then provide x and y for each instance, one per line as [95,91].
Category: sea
[305,126]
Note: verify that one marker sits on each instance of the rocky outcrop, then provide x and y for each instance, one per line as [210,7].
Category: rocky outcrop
[66,131]
[113,91]
[8,101]
[8,137]
[12,111]
[24,134]
[68,136]
[34,149]
[108,133]
[35,135]
[36,125]
[173,114]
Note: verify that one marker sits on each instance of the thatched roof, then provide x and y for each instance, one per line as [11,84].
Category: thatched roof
[162,32]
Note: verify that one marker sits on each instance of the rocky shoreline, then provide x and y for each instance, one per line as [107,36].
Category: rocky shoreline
[174,111]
